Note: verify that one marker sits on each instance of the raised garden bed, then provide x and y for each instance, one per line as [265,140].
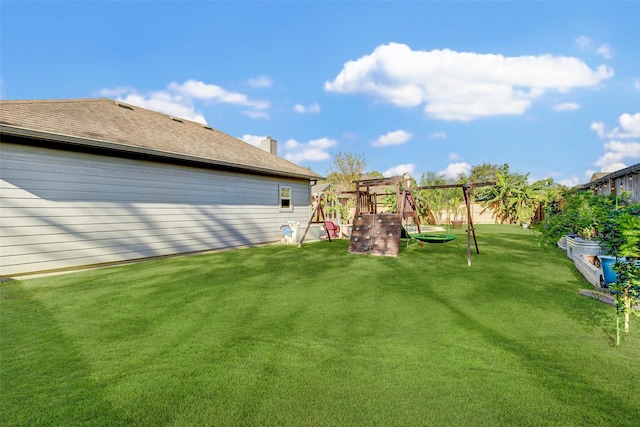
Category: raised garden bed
[562,243]
[578,246]
[588,265]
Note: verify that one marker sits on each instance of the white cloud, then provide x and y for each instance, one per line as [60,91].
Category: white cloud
[192,89]
[256,114]
[260,81]
[605,51]
[572,181]
[166,103]
[254,140]
[314,151]
[437,135]
[116,92]
[586,43]
[313,108]
[599,128]
[616,153]
[179,99]
[462,85]
[453,170]
[636,84]
[453,156]
[397,137]
[400,170]
[567,106]
[629,127]
[618,150]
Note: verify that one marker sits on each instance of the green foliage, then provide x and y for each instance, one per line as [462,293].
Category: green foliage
[346,168]
[626,290]
[621,237]
[618,229]
[341,206]
[628,225]
[514,200]
[485,172]
[581,213]
[433,202]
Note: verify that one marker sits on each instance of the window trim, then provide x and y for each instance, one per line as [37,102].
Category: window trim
[281,198]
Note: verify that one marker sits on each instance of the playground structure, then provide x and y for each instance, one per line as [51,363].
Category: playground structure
[379,234]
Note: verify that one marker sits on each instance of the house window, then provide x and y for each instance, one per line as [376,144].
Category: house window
[285,197]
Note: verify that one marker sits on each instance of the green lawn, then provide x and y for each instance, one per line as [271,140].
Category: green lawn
[316,336]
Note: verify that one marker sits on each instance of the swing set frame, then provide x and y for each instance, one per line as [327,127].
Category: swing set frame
[466,191]
[367,203]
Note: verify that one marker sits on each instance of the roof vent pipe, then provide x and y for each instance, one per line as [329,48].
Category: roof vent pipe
[270,145]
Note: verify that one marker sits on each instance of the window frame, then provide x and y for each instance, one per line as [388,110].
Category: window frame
[282,198]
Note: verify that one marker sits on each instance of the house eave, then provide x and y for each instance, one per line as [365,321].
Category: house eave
[135,151]
[631,170]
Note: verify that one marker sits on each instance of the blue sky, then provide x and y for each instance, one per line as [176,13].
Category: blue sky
[551,88]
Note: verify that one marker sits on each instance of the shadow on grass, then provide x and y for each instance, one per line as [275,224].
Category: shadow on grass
[551,374]
[45,377]
[591,313]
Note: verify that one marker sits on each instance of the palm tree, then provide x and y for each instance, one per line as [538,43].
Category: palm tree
[512,199]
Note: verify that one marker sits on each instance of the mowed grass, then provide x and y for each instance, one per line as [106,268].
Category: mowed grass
[316,336]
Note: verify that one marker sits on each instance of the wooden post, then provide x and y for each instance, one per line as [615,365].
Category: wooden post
[470,227]
[315,219]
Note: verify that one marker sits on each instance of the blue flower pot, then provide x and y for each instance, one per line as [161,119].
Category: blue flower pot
[606,263]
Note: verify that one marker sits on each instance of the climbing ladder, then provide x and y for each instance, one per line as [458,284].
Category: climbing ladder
[376,234]
[380,233]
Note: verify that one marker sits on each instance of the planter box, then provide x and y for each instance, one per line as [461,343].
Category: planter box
[314,234]
[590,272]
[577,246]
[562,243]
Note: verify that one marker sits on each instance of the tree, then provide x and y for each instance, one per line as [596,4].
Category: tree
[484,172]
[432,202]
[510,198]
[346,168]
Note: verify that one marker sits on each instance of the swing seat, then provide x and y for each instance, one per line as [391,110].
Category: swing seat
[434,238]
[332,228]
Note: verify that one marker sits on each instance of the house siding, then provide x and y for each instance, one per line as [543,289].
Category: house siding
[625,180]
[629,183]
[64,209]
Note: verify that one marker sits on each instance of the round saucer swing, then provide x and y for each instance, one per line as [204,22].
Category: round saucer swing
[434,237]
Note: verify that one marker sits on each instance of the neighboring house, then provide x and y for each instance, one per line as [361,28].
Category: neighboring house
[627,180]
[95,181]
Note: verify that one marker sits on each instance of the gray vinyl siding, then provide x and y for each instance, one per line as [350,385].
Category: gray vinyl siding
[63,209]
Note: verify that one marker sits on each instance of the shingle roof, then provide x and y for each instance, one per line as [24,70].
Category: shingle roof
[109,124]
